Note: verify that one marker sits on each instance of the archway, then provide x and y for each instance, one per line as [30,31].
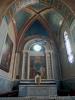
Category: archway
[40,55]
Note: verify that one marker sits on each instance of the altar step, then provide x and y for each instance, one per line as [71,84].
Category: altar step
[29,88]
[38,98]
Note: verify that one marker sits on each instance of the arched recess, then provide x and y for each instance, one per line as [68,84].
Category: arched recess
[44,24]
[51,58]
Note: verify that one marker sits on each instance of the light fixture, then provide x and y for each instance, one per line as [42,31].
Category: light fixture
[37,47]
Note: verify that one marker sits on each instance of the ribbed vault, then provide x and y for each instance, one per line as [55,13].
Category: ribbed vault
[48,12]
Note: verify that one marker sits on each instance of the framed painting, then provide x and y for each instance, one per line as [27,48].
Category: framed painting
[6,54]
[38,65]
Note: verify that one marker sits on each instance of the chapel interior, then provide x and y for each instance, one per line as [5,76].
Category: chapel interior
[37,49]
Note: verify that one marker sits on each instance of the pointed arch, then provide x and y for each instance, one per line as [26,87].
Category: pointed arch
[43,23]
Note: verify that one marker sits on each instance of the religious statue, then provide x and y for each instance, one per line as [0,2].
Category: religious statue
[38,78]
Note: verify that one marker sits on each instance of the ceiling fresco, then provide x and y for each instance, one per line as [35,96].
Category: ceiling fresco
[54,19]
[36,29]
[24,11]
[38,6]
[5,3]
[21,18]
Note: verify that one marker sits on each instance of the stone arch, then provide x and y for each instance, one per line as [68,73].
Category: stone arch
[50,58]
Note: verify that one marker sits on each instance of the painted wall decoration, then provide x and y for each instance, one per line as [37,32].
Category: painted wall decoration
[37,64]
[21,18]
[6,54]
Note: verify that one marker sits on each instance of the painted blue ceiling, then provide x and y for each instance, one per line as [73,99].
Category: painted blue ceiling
[36,29]
[54,18]
[38,6]
[21,17]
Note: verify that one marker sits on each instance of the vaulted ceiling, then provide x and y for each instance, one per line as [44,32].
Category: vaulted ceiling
[5,3]
[38,18]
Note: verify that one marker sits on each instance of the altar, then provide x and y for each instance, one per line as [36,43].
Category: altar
[39,69]
[30,88]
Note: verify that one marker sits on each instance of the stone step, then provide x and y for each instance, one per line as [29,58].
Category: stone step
[39,98]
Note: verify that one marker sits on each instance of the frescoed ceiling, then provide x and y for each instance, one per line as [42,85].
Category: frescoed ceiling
[20,18]
[5,3]
[38,7]
[54,19]
[36,29]
[51,13]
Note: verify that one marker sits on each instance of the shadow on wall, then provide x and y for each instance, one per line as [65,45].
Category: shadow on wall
[67,87]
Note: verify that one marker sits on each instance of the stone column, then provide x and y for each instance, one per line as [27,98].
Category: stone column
[28,69]
[16,65]
[53,65]
[47,64]
[23,67]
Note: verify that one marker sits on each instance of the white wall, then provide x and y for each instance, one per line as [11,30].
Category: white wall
[3,34]
[6,81]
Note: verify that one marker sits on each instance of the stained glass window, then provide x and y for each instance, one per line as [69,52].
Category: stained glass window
[68,48]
